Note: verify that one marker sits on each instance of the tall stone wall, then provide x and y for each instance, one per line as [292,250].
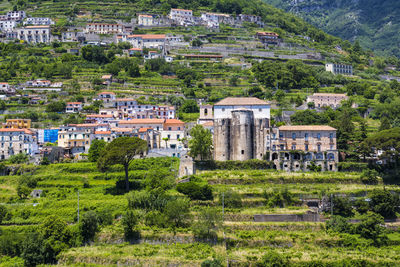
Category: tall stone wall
[222,129]
[242,135]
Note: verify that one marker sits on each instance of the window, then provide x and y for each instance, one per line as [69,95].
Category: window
[223,109]
[179,128]
[318,136]
[294,136]
[169,128]
[294,147]
[169,136]
[205,111]
[319,147]
[306,147]
[331,136]
[242,152]
[306,136]
[178,136]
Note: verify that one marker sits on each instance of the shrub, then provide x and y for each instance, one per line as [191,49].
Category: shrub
[195,191]
[342,206]
[231,198]
[338,224]
[352,166]
[209,220]
[89,226]
[155,218]
[153,200]
[384,203]
[279,198]
[104,216]
[372,227]
[253,164]
[177,212]
[3,213]
[369,176]
[211,263]
[273,259]
[129,222]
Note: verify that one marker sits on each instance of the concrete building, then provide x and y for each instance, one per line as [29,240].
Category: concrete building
[145,20]
[172,134]
[241,128]
[213,20]
[296,148]
[17,124]
[16,141]
[181,16]
[268,37]
[155,41]
[38,21]
[15,15]
[156,124]
[7,25]
[106,97]
[252,19]
[206,114]
[343,69]
[73,107]
[104,28]
[327,100]
[34,34]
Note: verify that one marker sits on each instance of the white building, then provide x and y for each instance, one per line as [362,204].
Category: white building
[145,20]
[73,107]
[339,68]
[16,141]
[4,87]
[7,25]
[214,19]
[103,28]
[38,21]
[34,34]
[156,41]
[16,15]
[223,109]
[326,100]
[181,16]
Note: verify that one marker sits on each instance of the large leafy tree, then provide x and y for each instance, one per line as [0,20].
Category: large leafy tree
[95,150]
[122,150]
[201,142]
[388,141]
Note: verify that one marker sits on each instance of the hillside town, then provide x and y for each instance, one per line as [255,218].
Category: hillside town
[204,133]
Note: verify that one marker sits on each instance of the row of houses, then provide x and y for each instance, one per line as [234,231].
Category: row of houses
[12,19]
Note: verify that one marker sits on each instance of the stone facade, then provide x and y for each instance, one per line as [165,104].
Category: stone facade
[241,127]
[327,100]
[296,148]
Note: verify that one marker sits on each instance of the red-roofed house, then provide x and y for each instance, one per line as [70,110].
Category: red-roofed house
[106,97]
[73,107]
[172,134]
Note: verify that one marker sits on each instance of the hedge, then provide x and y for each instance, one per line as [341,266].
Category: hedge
[253,164]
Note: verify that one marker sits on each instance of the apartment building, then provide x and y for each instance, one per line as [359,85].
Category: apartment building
[38,21]
[268,37]
[7,25]
[34,34]
[343,69]
[17,124]
[295,148]
[181,16]
[103,28]
[327,100]
[15,15]
[172,134]
[16,141]
[156,124]
[73,107]
[152,41]
[145,20]
[106,97]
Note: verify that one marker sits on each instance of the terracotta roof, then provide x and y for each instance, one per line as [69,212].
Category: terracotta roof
[33,27]
[26,131]
[141,121]
[267,33]
[143,130]
[107,76]
[236,101]
[147,16]
[3,83]
[110,93]
[98,116]
[102,132]
[135,49]
[74,103]
[306,128]
[104,24]
[122,129]
[208,124]
[173,122]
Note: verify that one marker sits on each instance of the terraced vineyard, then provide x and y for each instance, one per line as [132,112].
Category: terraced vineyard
[240,239]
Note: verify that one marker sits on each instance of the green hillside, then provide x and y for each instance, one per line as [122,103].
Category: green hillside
[375,23]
